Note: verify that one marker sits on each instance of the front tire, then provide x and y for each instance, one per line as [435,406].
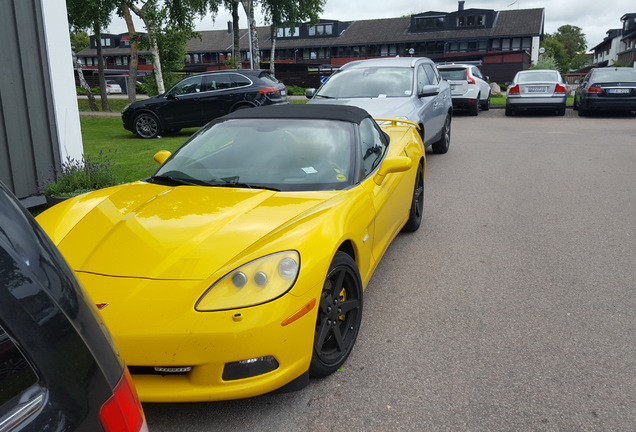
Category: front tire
[339,316]
[441,146]
[146,126]
[416,211]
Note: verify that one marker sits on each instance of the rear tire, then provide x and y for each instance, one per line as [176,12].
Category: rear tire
[560,112]
[473,110]
[485,106]
[146,126]
[509,112]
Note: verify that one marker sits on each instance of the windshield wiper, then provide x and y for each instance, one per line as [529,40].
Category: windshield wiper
[245,185]
[182,181]
[218,183]
[325,97]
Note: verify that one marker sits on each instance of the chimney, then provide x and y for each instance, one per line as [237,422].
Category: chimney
[460,6]
[229,26]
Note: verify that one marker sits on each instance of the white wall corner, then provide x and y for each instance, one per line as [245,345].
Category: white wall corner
[60,62]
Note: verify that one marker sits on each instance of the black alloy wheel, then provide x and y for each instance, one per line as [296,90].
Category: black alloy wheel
[417,204]
[146,126]
[339,316]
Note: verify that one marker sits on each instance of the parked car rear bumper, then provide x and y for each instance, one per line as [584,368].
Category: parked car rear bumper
[626,104]
[463,102]
[536,103]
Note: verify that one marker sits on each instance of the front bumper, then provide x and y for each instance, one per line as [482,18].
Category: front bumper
[166,331]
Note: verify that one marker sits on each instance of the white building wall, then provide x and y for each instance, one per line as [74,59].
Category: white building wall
[60,62]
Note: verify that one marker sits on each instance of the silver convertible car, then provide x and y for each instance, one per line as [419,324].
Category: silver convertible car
[398,87]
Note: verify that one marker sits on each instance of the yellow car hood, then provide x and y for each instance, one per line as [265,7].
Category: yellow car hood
[158,232]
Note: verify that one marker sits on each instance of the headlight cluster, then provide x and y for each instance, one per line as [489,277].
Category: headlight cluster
[256,282]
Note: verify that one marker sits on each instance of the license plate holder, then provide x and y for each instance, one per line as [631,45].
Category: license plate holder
[618,91]
[537,89]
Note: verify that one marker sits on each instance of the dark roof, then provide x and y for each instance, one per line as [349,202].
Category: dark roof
[347,113]
[511,23]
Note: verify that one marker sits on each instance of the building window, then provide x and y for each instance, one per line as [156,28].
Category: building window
[505,44]
[428,23]
[471,21]
[286,32]
[321,30]
[516,43]
[526,43]
[106,42]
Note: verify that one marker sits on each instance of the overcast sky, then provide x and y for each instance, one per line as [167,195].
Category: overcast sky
[594,17]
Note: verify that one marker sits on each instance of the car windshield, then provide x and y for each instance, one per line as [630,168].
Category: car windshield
[537,77]
[614,75]
[279,154]
[369,82]
[453,74]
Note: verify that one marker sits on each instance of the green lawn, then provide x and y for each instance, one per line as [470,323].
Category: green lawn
[131,157]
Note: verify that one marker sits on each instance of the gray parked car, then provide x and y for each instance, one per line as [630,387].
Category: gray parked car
[398,87]
[536,89]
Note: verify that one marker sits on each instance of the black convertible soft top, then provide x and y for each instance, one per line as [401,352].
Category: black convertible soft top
[346,113]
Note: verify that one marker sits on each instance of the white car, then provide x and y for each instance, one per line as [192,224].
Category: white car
[469,88]
[112,87]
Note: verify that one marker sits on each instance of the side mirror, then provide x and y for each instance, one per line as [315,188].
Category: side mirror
[392,165]
[171,96]
[310,92]
[428,90]
[161,156]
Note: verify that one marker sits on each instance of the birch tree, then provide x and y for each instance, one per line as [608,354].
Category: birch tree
[283,13]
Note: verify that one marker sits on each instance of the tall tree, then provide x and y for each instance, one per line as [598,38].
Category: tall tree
[289,13]
[255,58]
[158,14]
[133,65]
[567,46]
[94,15]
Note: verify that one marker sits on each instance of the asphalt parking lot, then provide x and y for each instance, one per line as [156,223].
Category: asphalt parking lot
[511,309]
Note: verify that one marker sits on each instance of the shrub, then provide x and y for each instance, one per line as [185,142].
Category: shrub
[293,90]
[79,176]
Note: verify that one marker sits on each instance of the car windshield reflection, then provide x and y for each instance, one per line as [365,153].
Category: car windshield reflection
[369,82]
[286,155]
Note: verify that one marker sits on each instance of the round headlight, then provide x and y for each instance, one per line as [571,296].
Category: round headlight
[260,279]
[288,268]
[239,279]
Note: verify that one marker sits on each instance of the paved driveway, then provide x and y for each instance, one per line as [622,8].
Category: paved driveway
[513,308]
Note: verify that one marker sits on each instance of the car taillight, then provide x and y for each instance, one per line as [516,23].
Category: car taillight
[469,77]
[122,412]
[559,89]
[513,90]
[594,90]
[269,90]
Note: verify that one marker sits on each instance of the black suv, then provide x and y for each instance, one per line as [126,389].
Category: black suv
[58,368]
[196,100]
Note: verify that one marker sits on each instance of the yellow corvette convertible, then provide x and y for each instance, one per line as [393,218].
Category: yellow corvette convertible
[238,268]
